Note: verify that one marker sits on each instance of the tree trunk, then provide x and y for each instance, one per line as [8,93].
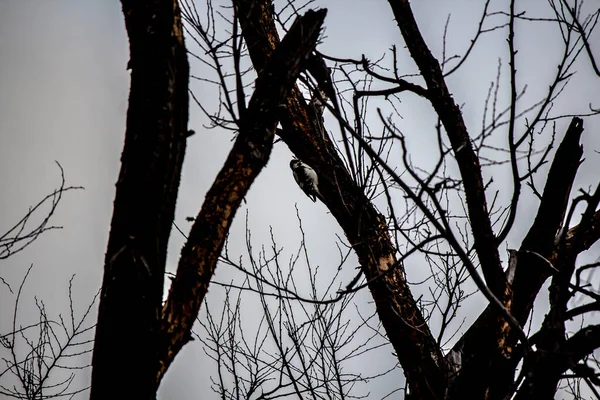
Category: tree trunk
[125,358]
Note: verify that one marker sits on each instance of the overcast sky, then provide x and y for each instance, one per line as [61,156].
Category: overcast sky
[63,97]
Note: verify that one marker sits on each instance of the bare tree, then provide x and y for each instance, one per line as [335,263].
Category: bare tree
[130,320]
[495,357]
[393,211]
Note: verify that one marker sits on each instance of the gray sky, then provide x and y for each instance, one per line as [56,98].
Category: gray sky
[63,97]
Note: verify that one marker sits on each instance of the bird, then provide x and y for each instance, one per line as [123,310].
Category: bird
[306,178]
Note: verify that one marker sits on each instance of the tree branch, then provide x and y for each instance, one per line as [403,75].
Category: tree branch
[532,268]
[530,274]
[468,163]
[579,239]
[581,344]
[553,364]
[415,347]
[249,155]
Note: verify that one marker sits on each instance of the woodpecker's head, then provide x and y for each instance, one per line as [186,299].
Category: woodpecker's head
[295,163]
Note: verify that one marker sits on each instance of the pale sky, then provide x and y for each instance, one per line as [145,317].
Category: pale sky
[63,97]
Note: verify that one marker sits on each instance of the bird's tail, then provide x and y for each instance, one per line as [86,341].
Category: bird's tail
[319,195]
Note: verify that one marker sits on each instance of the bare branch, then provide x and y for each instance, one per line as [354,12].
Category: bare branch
[20,236]
[450,115]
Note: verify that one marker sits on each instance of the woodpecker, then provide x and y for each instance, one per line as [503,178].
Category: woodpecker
[307,179]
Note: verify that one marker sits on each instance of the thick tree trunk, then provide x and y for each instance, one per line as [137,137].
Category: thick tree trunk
[125,358]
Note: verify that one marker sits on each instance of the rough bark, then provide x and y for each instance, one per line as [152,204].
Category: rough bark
[364,227]
[248,157]
[125,354]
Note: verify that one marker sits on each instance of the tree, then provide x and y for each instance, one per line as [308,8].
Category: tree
[394,211]
[495,356]
[130,319]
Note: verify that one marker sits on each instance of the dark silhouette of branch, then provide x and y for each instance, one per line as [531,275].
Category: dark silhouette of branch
[512,146]
[451,118]
[247,158]
[480,31]
[42,359]
[20,236]
[363,225]
[542,235]
[581,30]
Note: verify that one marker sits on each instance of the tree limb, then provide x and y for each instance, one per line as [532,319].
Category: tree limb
[581,344]
[468,162]
[541,237]
[535,253]
[553,364]
[247,158]
[365,228]
[579,240]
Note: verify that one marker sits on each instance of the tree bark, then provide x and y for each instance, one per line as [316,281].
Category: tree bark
[125,357]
